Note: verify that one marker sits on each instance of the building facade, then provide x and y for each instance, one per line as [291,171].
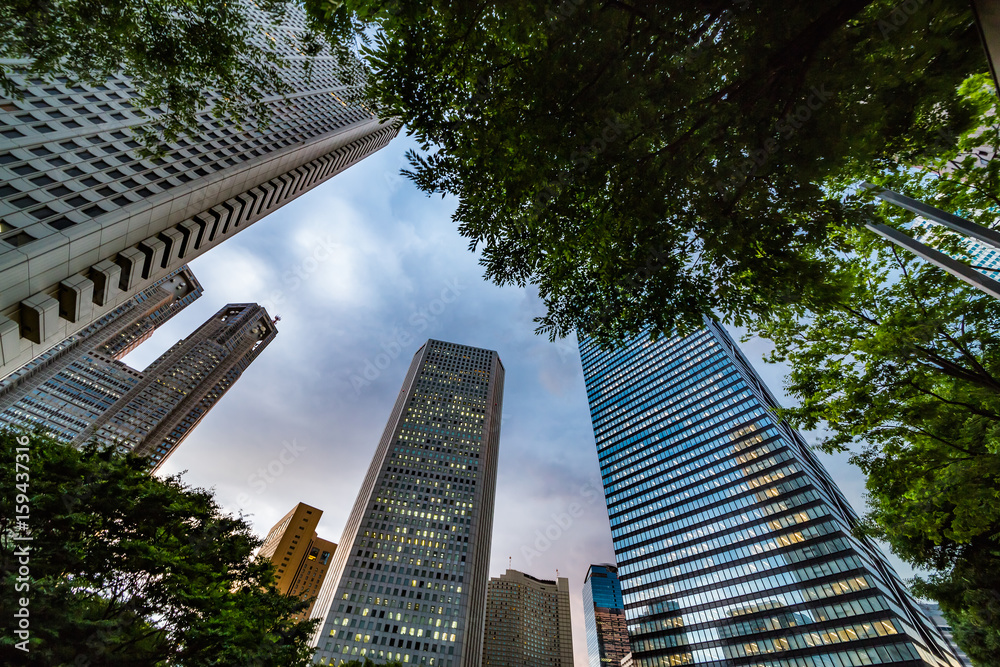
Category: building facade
[408,582]
[69,386]
[300,557]
[734,546]
[86,221]
[604,617]
[147,412]
[527,622]
[933,612]
[178,389]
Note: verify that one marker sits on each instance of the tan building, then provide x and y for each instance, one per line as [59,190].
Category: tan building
[300,558]
[527,622]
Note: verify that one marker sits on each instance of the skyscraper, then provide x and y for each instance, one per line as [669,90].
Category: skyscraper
[604,617]
[178,389]
[933,611]
[408,581]
[734,546]
[86,221]
[66,388]
[148,412]
[527,622]
[300,557]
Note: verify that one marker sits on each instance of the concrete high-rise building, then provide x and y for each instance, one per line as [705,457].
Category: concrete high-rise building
[178,389]
[408,581]
[69,386]
[300,557]
[86,221]
[147,412]
[604,617]
[933,612]
[734,545]
[527,622]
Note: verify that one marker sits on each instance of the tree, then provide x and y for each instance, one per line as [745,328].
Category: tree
[909,364]
[128,569]
[368,662]
[646,162]
[904,371]
[182,56]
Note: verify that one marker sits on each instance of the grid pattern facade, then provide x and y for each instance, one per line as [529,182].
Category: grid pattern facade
[68,387]
[604,617]
[985,258]
[734,546]
[299,556]
[86,221]
[178,389]
[408,582]
[527,622]
[312,572]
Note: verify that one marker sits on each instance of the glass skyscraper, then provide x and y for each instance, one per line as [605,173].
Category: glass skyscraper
[933,611]
[408,582]
[604,617]
[734,546]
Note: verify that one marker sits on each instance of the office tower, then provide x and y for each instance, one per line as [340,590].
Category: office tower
[933,612]
[148,412]
[527,622]
[69,386]
[734,546]
[980,256]
[985,258]
[408,582]
[178,389]
[300,557]
[86,221]
[604,617]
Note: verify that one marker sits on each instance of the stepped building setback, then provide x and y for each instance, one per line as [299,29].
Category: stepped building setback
[408,582]
[300,557]
[734,546]
[69,386]
[80,389]
[87,222]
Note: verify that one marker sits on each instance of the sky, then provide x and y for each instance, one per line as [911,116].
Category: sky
[354,267]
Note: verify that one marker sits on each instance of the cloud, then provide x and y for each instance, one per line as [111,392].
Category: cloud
[396,273]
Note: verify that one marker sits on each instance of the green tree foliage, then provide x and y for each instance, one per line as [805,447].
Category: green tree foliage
[907,362]
[645,162]
[128,569]
[183,56]
[368,662]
